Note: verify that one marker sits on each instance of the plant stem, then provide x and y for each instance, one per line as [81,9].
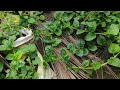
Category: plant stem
[101,33]
[104,64]
[116,54]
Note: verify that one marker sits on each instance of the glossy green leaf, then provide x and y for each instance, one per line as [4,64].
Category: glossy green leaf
[71,47]
[80,31]
[42,17]
[114,48]
[76,23]
[90,36]
[96,65]
[114,62]
[101,40]
[10,57]
[114,29]
[86,63]
[93,48]
[31,20]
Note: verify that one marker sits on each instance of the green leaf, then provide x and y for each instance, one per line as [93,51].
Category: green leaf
[2,47]
[31,20]
[67,24]
[12,38]
[66,58]
[80,31]
[63,52]
[58,15]
[71,47]
[9,57]
[49,49]
[86,63]
[89,71]
[7,44]
[1,66]
[35,76]
[18,55]
[114,48]
[36,61]
[114,29]
[101,40]
[90,36]
[92,25]
[76,69]
[42,17]
[31,47]
[79,52]
[114,61]
[93,48]
[47,39]
[58,32]
[103,24]
[26,17]
[96,65]
[85,51]
[76,23]
[57,41]
[69,31]
[80,43]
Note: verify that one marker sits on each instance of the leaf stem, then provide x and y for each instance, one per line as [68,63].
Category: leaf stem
[101,33]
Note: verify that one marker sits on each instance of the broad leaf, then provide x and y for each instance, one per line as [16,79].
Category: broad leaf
[101,40]
[96,65]
[114,48]
[114,62]
[85,63]
[80,31]
[9,57]
[114,29]
[90,36]
[76,23]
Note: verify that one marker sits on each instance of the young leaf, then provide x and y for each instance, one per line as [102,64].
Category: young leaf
[85,63]
[58,32]
[47,39]
[79,52]
[49,49]
[9,57]
[76,69]
[101,40]
[114,29]
[92,25]
[42,17]
[90,36]
[93,48]
[63,52]
[80,31]
[18,55]
[85,51]
[56,41]
[31,47]
[31,20]
[76,23]
[96,65]
[114,48]
[71,47]
[36,61]
[67,24]
[2,47]
[80,43]
[114,61]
